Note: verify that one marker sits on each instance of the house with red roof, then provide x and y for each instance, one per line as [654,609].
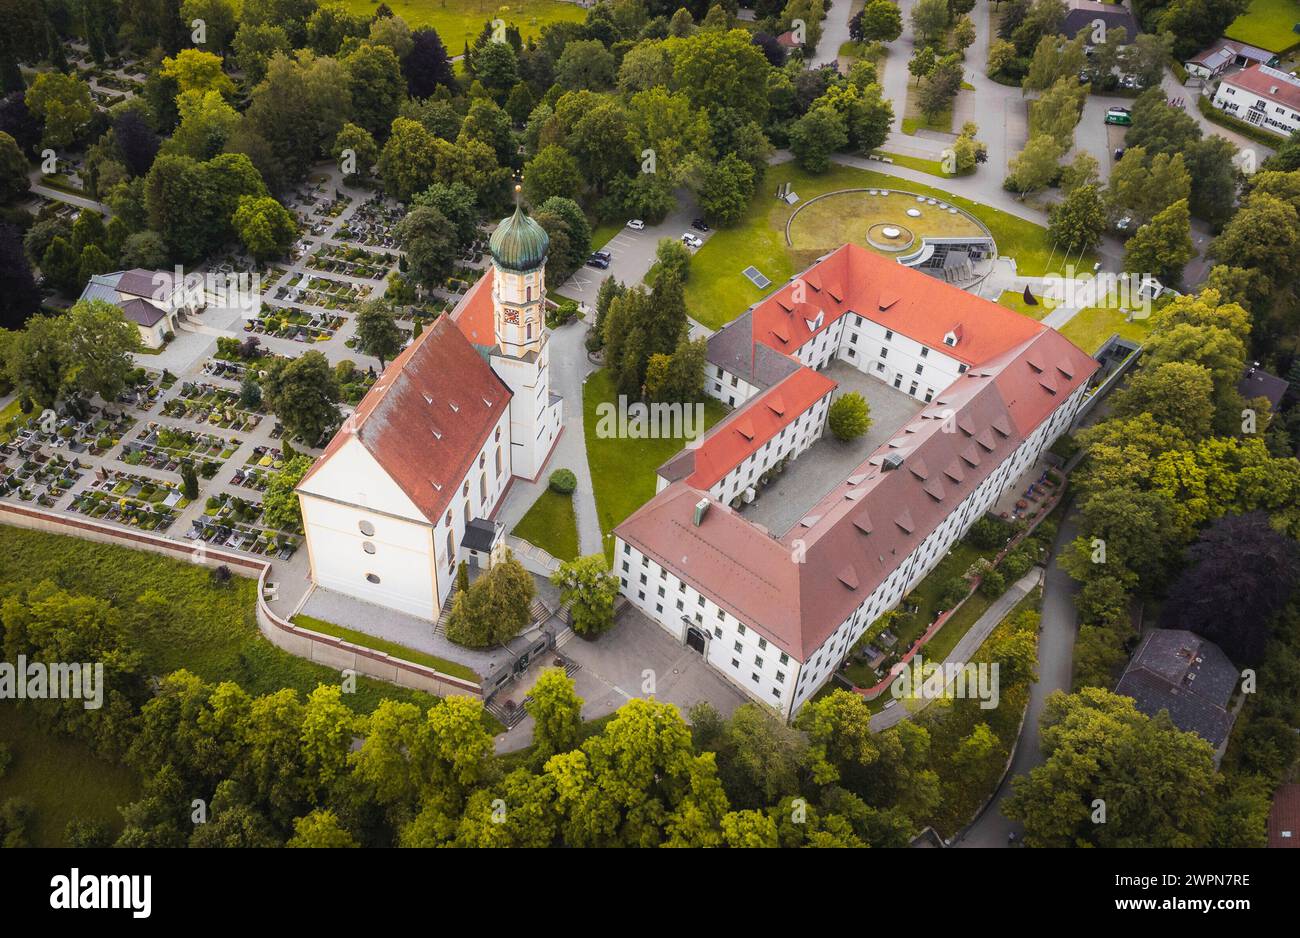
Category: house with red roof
[1263,97]
[776,612]
[410,484]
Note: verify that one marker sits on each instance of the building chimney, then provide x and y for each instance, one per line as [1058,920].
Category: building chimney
[701,509]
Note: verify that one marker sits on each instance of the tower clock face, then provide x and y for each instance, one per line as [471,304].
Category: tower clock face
[512,316]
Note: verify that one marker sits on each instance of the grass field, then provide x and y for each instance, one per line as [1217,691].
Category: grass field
[1093,326]
[1013,300]
[209,630]
[61,778]
[1267,24]
[460,20]
[717,292]
[914,120]
[824,225]
[387,647]
[551,525]
[933,167]
[623,470]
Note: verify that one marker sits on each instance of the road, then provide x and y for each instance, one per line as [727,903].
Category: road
[835,32]
[1055,662]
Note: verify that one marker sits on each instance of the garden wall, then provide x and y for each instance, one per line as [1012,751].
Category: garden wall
[322,649]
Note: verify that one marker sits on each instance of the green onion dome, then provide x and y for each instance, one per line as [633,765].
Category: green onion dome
[519,243]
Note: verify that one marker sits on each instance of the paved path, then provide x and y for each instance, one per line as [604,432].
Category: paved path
[835,32]
[569,370]
[967,645]
[1055,665]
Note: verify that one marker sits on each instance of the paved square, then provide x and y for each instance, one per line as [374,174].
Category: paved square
[828,462]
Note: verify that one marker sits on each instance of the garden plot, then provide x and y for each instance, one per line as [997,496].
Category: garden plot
[232,522]
[130,499]
[298,325]
[372,224]
[160,446]
[40,478]
[320,291]
[93,436]
[207,403]
[351,261]
[257,470]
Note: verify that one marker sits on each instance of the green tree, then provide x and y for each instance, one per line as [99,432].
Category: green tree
[930,20]
[428,239]
[13,170]
[355,147]
[1164,245]
[495,608]
[280,508]
[849,416]
[63,105]
[377,333]
[588,588]
[1095,744]
[376,84]
[1036,165]
[265,227]
[321,828]
[557,714]
[553,171]
[815,136]
[303,393]
[256,45]
[1079,221]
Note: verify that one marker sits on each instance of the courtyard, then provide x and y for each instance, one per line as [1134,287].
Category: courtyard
[828,462]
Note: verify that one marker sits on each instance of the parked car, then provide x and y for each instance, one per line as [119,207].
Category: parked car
[1124,224]
[692,241]
[1119,115]
[699,225]
[636,224]
[1119,153]
[604,253]
[599,262]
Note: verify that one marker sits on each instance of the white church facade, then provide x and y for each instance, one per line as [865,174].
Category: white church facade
[409,486]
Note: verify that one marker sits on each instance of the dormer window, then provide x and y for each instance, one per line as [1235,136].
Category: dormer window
[950,339]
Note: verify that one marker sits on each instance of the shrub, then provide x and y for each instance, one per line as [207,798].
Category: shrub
[954,591]
[563,482]
[993,584]
[989,533]
[6,758]
[1017,563]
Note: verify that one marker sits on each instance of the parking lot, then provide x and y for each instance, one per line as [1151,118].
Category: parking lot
[633,253]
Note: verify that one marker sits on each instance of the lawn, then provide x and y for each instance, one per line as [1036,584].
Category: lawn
[1012,299]
[551,525]
[717,292]
[601,234]
[827,223]
[1267,24]
[209,630]
[61,778]
[458,21]
[914,120]
[1090,327]
[11,412]
[933,167]
[623,470]
[388,648]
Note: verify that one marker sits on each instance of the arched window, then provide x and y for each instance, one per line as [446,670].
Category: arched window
[451,550]
[482,459]
[528,331]
[498,460]
[482,489]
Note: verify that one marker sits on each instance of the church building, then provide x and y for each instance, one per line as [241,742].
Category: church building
[410,484]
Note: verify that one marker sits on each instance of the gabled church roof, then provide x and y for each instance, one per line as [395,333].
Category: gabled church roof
[428,416]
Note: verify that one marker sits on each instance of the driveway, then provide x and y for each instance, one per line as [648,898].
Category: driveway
[639,659]
[1055,664]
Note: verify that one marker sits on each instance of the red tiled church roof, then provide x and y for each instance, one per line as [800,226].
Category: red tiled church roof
[428,416]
